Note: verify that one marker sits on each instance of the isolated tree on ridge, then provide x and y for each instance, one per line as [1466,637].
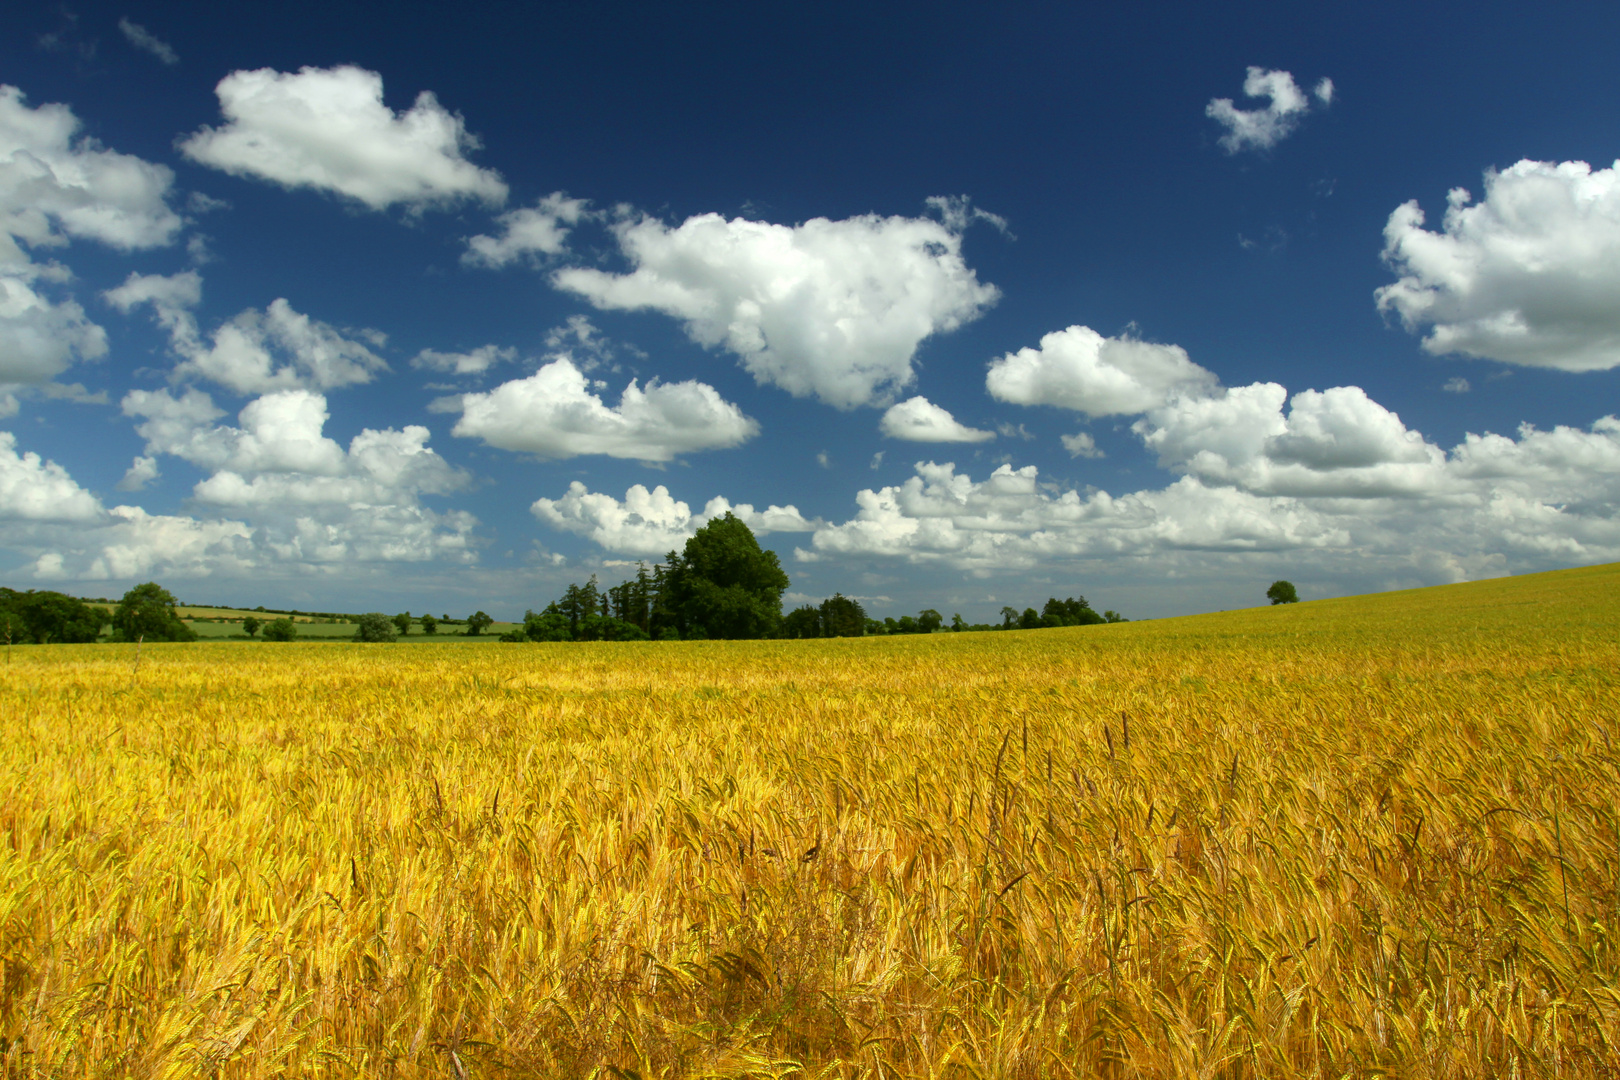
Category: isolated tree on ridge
[1282,592]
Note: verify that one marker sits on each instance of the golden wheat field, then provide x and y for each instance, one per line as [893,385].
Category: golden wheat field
[1365,837]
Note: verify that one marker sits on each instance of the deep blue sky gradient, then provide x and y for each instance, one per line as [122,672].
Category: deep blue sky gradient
[1082,125]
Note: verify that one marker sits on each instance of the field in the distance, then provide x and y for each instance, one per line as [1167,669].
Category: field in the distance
[1365,837]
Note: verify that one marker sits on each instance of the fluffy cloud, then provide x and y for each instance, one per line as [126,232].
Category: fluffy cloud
[39,340]
[328,128]
[1336,442]
[652,523]
[833,309]
[53,186]
[279,456]
[142,471]
[1529,275]
[36,490]
[1080,369]
[1261,129]
[255,352]
[279,497]
[920,420]
[554,413]
[1336,484]
[525,233]
[475,362]
[1010,521]
[1081,445]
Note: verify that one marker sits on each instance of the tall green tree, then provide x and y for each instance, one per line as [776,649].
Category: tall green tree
[723,585]
[146,613]
[477,623]
[842,617]
[802,622]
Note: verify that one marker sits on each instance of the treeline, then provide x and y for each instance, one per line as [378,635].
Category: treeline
[721,585]
[146,613]
[839,616]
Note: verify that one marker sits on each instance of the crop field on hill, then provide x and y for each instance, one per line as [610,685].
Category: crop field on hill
[1365,837]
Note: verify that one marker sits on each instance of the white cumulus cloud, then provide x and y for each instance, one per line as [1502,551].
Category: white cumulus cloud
[1261,129]
[1079,369]
[255,352]
[651,523]
[1528,275]
[1081,445]
[1009,521]
[920,420]
[40,339]
[1336,442]
[475,362]
[556,413]
[831,309]
[528,232]
[142,471]
[278,456]
[280,498]
[1334,484]
[328,128]
[57,186]
[54,186]
[32,489]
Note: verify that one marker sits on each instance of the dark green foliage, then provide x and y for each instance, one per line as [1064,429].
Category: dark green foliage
[1071,612]
[46,618]
[146,613]
[477,623]
[549,625]
[632,601]
[513,636]
[608,628]
[723,585]
[842,617]
[430,625]
[929,620]
[802,622]
[250,626]
[402,622]
[374,626]
[1282,592]
[282,629]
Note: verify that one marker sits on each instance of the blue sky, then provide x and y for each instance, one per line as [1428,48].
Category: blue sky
[353,307]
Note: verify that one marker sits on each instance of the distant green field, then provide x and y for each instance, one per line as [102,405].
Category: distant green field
[323,631]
